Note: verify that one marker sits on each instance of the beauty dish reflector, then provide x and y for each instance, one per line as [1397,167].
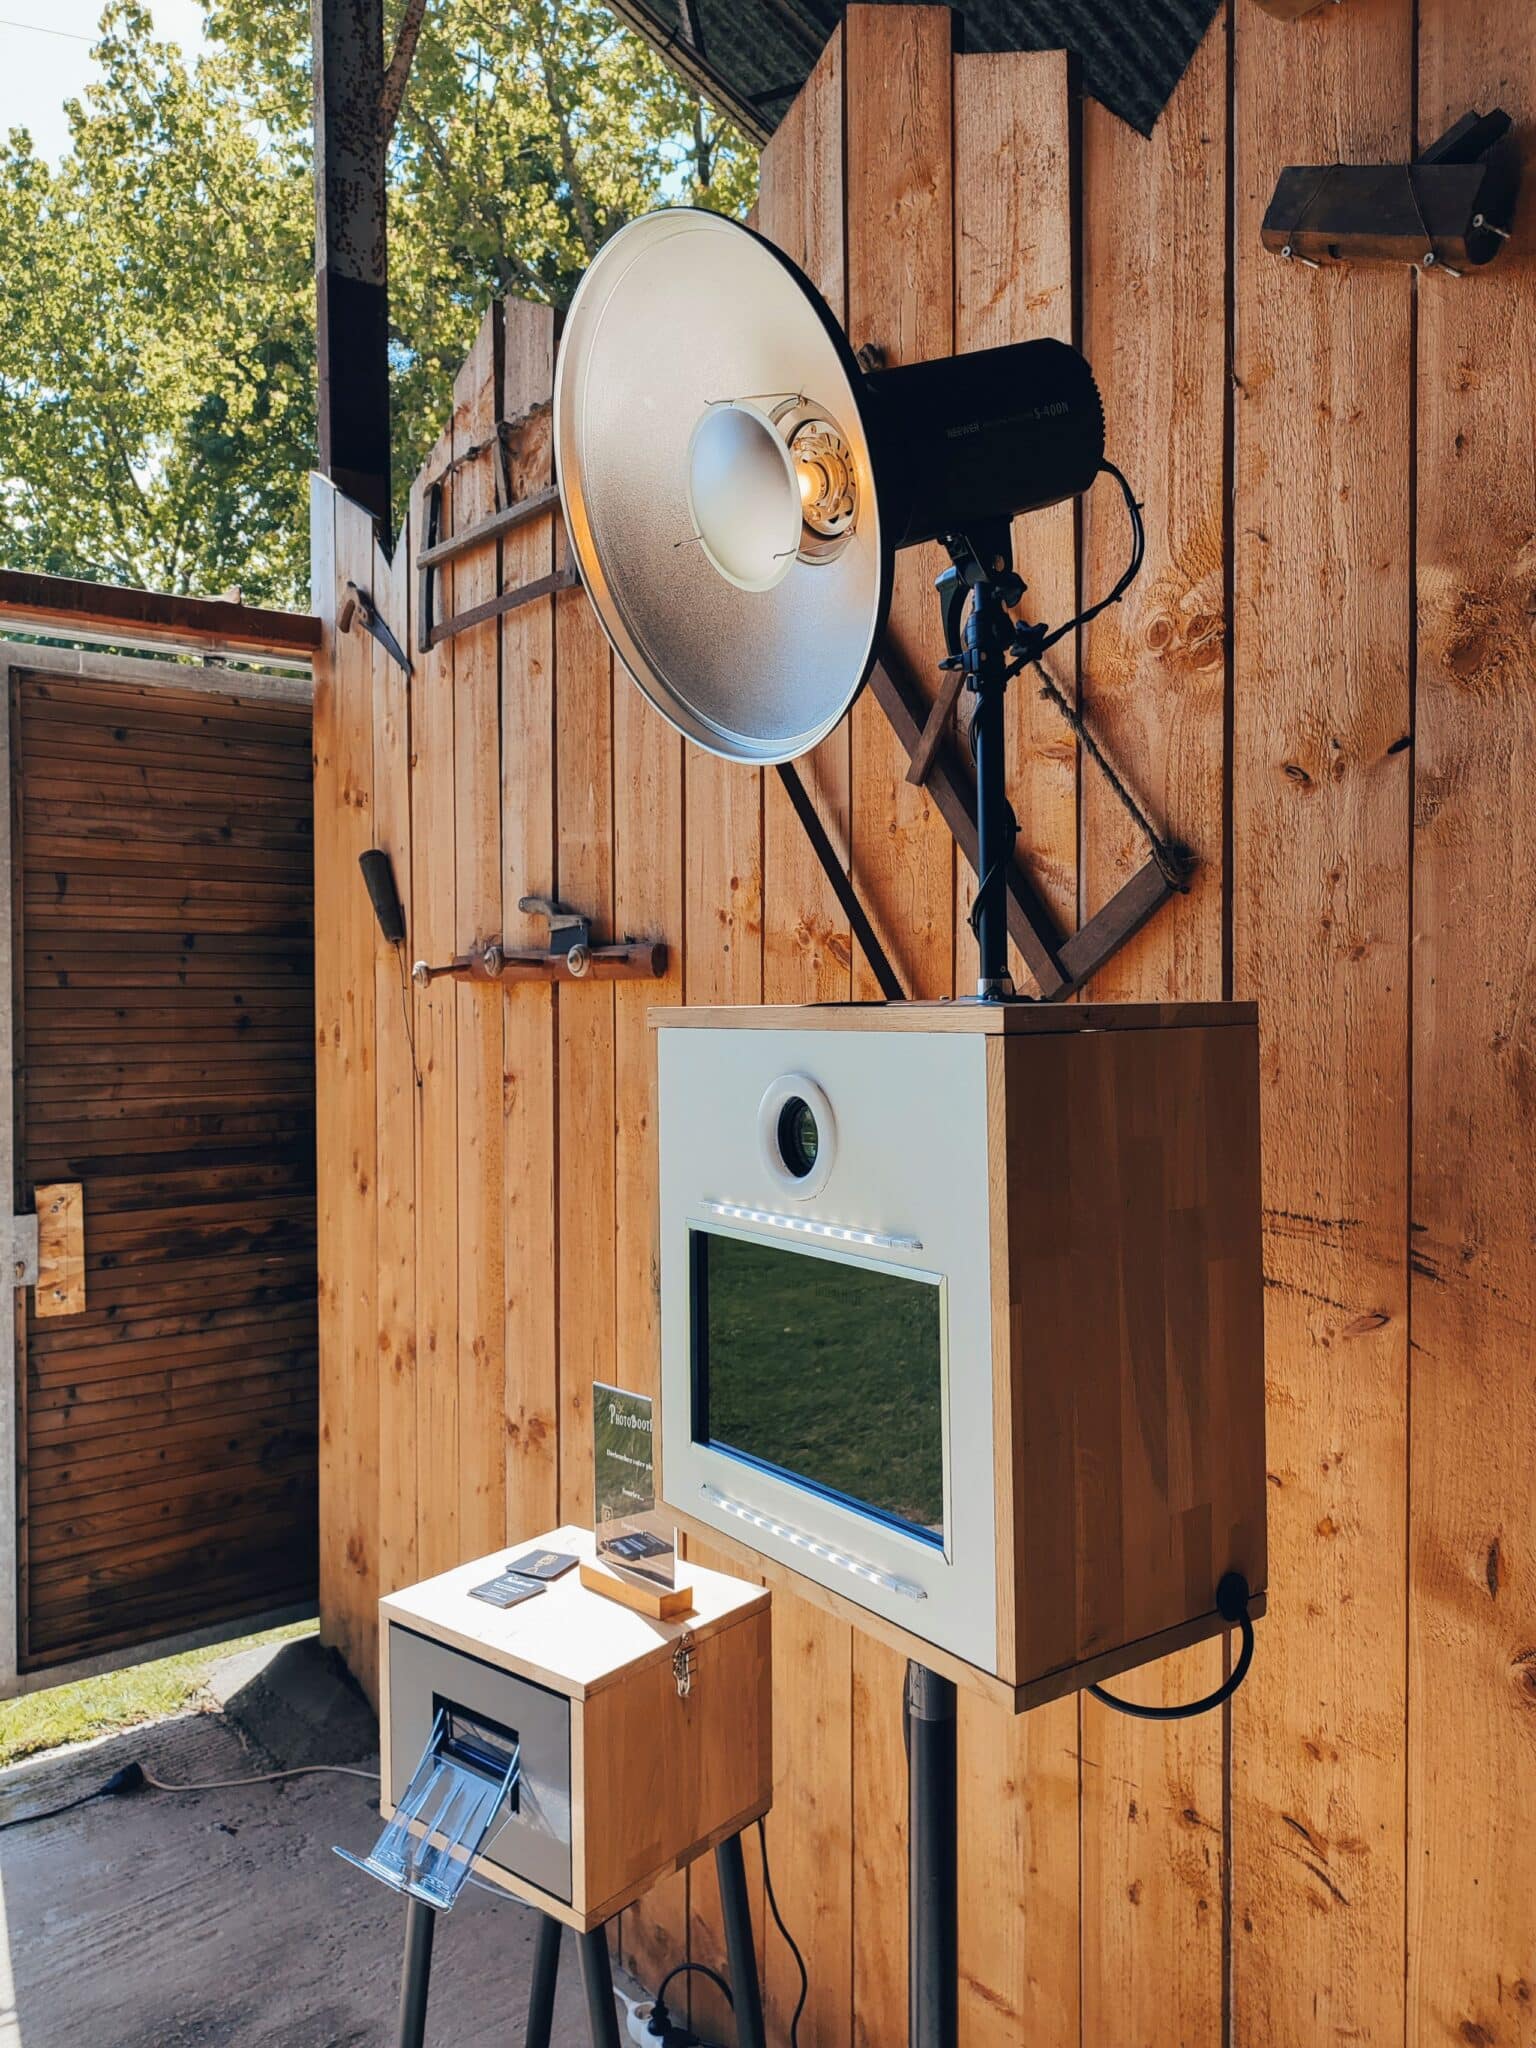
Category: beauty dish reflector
[735,486]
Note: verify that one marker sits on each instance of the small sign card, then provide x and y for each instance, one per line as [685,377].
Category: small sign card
[635,1540]
[630,1535]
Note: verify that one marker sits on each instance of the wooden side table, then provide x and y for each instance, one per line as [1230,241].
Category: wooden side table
[570,1752]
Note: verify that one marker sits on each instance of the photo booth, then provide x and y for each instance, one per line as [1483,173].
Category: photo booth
[961,1319]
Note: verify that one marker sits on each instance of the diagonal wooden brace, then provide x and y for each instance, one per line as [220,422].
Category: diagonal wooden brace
[1060,964]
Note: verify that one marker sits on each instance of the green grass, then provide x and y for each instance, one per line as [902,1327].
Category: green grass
[119,1699]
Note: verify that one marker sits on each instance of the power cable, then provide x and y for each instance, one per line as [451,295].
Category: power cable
[778,1921]
[1232,1606]
[128,1779]
[261,1778]
[133,1777]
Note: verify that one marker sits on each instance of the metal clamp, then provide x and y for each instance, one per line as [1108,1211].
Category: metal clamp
[569,932]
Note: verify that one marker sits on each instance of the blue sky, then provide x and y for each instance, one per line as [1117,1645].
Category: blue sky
[45,58]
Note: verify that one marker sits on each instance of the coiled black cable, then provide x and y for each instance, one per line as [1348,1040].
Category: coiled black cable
[1232,1606]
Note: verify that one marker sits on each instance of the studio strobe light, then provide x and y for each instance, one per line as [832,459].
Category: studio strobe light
[735,486]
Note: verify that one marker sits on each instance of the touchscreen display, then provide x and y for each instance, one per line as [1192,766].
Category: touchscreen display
[827,1370]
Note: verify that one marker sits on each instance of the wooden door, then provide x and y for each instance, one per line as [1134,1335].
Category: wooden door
[162,1017]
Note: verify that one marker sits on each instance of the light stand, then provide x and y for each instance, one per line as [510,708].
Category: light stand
[974,596]
[933,1886]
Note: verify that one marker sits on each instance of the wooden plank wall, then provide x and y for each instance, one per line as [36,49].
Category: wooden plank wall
[1323,684]
[161,864]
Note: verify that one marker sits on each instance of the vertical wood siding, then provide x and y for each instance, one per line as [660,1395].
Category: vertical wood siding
[1323,684]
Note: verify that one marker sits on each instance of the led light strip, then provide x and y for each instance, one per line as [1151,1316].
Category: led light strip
[806,1226]
[772,1526]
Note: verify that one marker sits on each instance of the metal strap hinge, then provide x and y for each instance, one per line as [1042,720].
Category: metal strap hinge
[23,1251]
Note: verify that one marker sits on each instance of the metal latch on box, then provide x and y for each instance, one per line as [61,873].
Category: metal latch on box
[683,1663]
[571,952]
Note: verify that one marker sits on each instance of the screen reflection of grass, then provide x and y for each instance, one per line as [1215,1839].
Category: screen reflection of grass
[830,1371]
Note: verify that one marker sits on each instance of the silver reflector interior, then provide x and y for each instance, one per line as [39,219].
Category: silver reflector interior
[744,496]
[694,357]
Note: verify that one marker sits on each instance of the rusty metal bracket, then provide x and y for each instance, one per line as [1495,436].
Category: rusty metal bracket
[359,605]
[571,954]
[842,884]
[431,631]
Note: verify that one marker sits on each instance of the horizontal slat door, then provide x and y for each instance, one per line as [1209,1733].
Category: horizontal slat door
[164,1103]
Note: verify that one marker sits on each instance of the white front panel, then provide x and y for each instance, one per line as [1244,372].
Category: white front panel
[909,1171]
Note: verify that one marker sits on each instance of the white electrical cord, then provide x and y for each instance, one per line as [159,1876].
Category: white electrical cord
[263,1778]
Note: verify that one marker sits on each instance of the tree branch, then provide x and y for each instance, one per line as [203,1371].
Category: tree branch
[392,96]
[586,225]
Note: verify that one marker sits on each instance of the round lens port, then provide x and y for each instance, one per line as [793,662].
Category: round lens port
[799,1137]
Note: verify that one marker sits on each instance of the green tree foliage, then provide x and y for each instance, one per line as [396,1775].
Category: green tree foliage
[157,359]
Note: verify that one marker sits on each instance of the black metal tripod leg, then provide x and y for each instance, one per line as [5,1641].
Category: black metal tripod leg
[746,1991]
[416,1973]
[546,1971]
[932,1822]
[597,1977]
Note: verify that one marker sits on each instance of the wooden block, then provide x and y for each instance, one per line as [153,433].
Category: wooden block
[60,1250]
[652,1600]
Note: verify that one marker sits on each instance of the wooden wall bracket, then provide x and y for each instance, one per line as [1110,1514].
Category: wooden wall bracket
[1060,963]
[1450,209]
[570,955]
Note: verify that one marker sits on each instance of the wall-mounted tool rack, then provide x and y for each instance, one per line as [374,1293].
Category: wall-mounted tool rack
[571,955]
[513,510]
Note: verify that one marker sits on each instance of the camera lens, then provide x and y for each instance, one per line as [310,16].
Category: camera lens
[799,1139]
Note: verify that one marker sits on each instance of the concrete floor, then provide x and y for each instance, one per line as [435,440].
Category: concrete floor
[156,1920]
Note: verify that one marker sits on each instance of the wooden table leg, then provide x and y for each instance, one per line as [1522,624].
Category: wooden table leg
[597,1976]
[416,1973]
[546,1970]
[746,1991]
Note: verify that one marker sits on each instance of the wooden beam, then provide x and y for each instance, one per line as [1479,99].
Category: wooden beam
[202,624]
[351,269]
[1154,681]
[808,952]
[1471,1761]
[1322,932]
[1019,1850]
